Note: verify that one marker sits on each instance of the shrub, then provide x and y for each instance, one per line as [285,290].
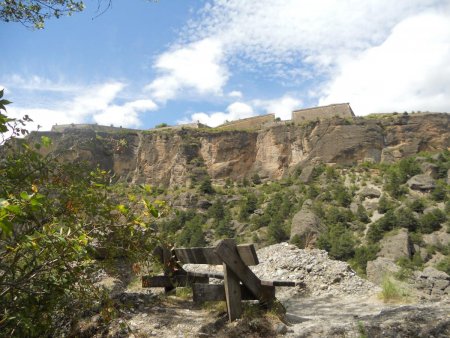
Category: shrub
[364,254]
[431,221]
[444,265]
[391,291]
[206,186]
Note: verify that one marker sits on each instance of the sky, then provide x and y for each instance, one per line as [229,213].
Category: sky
[146,62]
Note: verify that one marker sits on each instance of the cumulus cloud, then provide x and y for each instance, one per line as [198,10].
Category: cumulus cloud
[94,103]
[235,111]
[335,47]
[408,71]
[196,66]
[281,107]
[235,94]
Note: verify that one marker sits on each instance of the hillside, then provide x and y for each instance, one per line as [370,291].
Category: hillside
[364,203]
[181,157]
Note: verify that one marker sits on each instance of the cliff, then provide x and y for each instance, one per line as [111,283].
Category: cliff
[179,157]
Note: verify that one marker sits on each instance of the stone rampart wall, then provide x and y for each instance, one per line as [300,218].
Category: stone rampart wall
[251,123]
[311,114]
[108,129]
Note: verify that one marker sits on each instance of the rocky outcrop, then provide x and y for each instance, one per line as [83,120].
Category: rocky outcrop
[379,268]
[305,225]
[396,246]
[421,182]
[433,282]
[183,156]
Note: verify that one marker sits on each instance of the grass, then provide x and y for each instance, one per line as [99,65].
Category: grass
[392,291]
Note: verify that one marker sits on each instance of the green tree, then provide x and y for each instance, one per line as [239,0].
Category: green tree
[34,13]
[206,186]
[55,219]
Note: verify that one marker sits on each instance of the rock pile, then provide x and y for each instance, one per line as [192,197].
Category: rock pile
[320,274]
[312,268]
[433,282]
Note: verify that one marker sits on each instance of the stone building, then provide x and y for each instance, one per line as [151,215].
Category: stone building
[251,123]
[323,112]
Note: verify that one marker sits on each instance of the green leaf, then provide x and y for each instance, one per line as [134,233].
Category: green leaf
[25,196]
[1,93]
[15,209]
[46,141]
[6,227]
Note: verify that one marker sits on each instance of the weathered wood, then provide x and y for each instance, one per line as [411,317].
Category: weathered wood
[208,255]
[278,283]
[227,251]
[171,281]
[216,292]
[232,293]
[217,275]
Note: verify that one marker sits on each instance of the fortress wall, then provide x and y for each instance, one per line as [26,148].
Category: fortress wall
[95,127]
[310,114]
[251,123]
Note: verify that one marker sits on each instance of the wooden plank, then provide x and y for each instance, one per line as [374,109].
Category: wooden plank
[208,255]
[217,275]
[227,251]
[247,252]
[216,292]
[232,293]
[278,283]
[170,282]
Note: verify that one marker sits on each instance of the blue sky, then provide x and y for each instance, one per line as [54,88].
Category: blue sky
[146,62]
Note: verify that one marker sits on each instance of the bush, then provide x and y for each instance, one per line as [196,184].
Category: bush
[405,219]
[206,186]
[432,221]
[384,205]
[364,254]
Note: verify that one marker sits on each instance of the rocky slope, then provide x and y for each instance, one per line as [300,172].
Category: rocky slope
[178,157]
[332,302]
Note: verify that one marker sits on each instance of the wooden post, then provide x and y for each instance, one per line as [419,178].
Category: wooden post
[227,251]
[232,293]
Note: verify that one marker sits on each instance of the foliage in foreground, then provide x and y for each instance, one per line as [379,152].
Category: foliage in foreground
[55,219]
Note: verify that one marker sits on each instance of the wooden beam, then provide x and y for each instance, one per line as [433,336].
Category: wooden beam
[216,292]
[217,275]
[208,255]
[170,282]
[227,251]
[232,293]
[278,283]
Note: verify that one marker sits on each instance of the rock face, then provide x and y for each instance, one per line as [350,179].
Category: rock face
[379,268]
[396,246]
[305,224]
[433,282]
[421,182]
[180,156]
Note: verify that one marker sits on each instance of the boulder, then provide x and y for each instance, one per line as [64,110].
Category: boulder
[307,174]
[432,282]
[396,246]
[421,182]
[430,169]
[379,268]
[439,238]
[369,192]
[305,224]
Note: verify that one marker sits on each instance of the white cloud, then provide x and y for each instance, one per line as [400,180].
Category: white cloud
[235,94]
[336,45]
[281,107]
[235,111]
[408,71]
[94,103]
[196,66]
[125,115]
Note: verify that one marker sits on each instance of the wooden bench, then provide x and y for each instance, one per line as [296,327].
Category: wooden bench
[240,283]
